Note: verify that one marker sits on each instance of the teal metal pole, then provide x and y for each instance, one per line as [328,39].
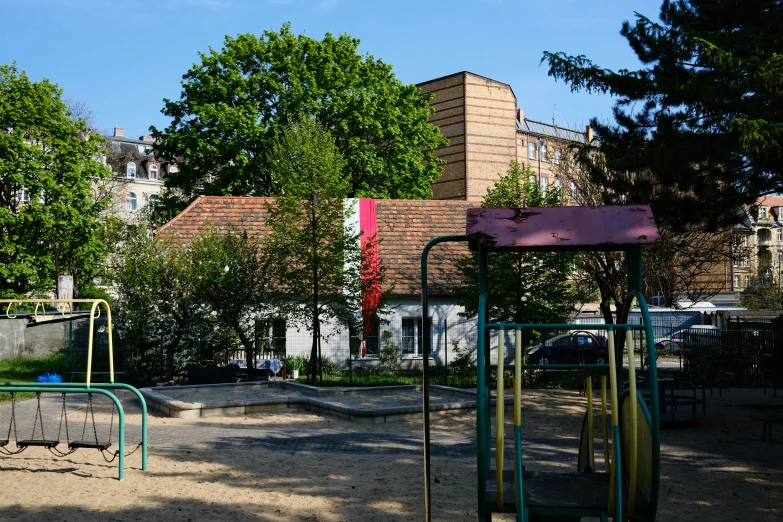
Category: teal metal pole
[483,404]
[425,342]
[117,404]
[108,385]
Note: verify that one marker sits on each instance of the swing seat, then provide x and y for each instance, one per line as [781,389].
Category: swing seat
[86,444]
[3,442]
[37,442]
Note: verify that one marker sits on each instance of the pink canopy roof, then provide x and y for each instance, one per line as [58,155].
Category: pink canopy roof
[561,228]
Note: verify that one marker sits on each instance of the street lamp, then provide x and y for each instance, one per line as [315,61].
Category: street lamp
[540,147]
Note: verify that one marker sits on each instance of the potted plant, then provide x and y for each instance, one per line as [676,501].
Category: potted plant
[295,365]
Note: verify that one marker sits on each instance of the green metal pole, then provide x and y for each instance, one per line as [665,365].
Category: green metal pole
[482,403]
[112,385]
[62,389]
[425,342]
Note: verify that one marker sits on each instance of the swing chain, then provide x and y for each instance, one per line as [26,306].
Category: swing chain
[64,414]
[3,450]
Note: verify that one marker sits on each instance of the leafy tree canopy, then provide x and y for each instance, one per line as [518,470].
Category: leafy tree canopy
[50,221]
[236,102]
[315,261]
[703,114]
[522,287]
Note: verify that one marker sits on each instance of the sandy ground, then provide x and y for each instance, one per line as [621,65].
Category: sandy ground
[295,465]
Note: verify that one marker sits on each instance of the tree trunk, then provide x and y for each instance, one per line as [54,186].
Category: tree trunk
[320,357]
[170,350]
[250,356]
[311,379]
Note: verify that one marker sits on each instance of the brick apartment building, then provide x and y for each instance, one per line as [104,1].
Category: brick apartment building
[486,131]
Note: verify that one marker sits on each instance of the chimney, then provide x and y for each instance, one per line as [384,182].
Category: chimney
[119,132]
[520,115]
[148,139]
[589,133]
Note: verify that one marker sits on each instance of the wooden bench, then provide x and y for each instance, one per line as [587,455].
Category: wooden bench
[769,421]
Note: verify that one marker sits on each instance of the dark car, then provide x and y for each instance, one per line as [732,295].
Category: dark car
[570,349]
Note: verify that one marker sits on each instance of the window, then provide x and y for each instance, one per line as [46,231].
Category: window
[544,185]
[411,336]
[115,146]
[173,169]
[23,196]
[746,261]
[746,241]
[658,300]
[153,172]
[543,152]
[130,171]
[131,203]
[573,190]
[153,200]
[747,281]
[371,341]
[780,234]
[558,156]
[762,213]
[736,281]
[531,150]
[271,337]
[559,185]
[780,258]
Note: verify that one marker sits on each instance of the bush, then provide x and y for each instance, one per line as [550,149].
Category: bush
[296,363]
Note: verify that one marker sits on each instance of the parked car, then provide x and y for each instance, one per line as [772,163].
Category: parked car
[569,349]
[675,343]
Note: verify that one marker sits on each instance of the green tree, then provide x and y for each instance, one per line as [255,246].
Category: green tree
[315,261]
[230,279]
[764,293]
[236,102]
[703,114]
[50,222]
[523,287]
[156,302]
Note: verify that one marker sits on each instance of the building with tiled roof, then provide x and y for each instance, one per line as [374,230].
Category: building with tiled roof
[403,228]
[138,175]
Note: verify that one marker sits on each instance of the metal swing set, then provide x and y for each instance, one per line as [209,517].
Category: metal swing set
[628,487]
[89,388]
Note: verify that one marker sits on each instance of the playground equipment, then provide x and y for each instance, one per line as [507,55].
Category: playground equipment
[628,488]
[89,388]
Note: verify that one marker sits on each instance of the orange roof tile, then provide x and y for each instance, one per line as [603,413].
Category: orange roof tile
[404,228]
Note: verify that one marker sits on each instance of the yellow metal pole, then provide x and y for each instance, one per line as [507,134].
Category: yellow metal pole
[634,420]
[111,345]
[89,342]
[613,393]
[604,431]
[517,397]
[499,427]
[590,422]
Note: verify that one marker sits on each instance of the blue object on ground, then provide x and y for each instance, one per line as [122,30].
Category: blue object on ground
[49,377]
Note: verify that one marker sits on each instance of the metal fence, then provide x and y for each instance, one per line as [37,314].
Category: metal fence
[741,354]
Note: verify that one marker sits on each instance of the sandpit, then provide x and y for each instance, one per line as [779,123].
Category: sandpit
[297,465]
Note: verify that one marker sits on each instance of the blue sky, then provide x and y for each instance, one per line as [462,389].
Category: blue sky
[122,57]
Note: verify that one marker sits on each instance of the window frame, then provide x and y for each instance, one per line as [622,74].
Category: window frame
[153,169]
[544,152]
[531,150]
[131,202]
[130,167]
[736,281]
[415,339]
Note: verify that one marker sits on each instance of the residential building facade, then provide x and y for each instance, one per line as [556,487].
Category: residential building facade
[138,175]
[486,132]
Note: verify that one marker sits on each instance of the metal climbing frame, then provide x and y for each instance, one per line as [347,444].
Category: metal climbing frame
[635,433]
[12,310]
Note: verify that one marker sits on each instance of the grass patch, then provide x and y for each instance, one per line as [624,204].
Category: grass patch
[26,369]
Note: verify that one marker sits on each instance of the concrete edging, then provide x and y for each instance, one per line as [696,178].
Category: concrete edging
[312,401]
